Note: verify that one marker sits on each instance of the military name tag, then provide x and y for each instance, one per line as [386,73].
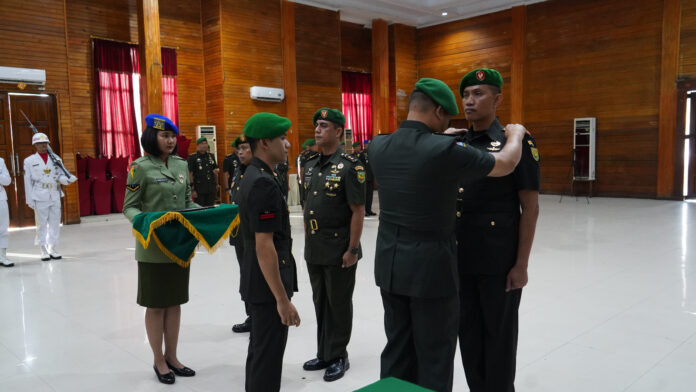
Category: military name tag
[163,179]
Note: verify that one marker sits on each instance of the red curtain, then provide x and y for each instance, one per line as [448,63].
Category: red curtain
[357,104]
[116,122]
[170,106]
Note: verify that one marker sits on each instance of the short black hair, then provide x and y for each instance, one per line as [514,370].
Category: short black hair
[495,89]
[420,101]
[253,144]
[149,142]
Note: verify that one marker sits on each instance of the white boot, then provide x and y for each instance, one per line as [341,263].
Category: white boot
[44,253]
[53,253]
[3,258]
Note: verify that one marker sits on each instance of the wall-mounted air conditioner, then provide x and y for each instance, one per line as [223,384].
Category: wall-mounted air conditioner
[268,94]
[24,75]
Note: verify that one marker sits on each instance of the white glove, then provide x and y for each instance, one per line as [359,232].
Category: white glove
[72,179]
[65,180]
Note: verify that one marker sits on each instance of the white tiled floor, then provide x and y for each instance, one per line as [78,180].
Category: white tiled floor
[611,306]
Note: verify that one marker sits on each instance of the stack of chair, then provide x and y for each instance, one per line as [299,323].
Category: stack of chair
[101,186]
[84,187]
[118,169]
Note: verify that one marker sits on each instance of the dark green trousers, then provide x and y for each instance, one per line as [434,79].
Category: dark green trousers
[332,292]
[421,339]
[205,199]
[264,364]
[488,332]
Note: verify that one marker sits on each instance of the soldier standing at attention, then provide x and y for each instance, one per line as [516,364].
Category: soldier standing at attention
[229,164]
[333,214]
[269,276]
[361,153]
[241,144]
[415,256]
[204,174]
[43,180]
[494,241]
[310,148]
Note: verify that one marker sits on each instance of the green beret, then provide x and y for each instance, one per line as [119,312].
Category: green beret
[309,143]
[481,76]
[239,140]
[328,114]
[201,140]
[265,125]
[440,93]
[355,144]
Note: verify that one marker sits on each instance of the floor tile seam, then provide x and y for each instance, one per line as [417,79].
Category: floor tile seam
[656,364]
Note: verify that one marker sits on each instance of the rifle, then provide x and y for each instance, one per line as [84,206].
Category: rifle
[51,155]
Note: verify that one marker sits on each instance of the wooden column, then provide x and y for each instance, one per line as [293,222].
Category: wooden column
[516,91]
[380,77]
[287,16]
[150,56]
[669,70]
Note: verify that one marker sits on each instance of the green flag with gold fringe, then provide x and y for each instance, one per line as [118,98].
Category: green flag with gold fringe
[178,233]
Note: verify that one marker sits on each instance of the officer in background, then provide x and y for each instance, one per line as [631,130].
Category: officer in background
[5,180]
[42,187]
[269,275]
[203,173]
[494,242]
[241,145]
[229,164]
[369,176]
[415,256]
[333,215]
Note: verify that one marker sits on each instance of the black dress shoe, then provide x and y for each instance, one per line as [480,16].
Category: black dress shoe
[243,327]
[167,378]
[337,369]
[370,213]
[315,364]
[183,372]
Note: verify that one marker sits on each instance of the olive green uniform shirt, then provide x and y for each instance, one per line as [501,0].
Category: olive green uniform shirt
[153,186]
[330,188]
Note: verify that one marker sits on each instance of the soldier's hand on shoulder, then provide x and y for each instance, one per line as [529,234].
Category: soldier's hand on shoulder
[455,131]
[516,130]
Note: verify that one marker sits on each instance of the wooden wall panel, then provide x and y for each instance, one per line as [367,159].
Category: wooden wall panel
[448,51]
[251,56]
[356,48]
[34,37]
[610,71]
[211,26]
[317,38]
[687,40]
[403,71]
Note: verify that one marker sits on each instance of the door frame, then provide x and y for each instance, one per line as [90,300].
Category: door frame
[683,86]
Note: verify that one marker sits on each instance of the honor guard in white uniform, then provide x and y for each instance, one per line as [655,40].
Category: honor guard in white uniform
[5,180]
[42,185]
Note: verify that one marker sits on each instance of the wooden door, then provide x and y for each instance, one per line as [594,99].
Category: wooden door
[690,142]
[41,111]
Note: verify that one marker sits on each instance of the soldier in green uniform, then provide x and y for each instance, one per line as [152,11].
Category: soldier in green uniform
[241,144]
[361,153]
[229,164]
[310,149]
[415,256]
[204,174]
[334,186]
[269,275]
[159,181]
[494,241]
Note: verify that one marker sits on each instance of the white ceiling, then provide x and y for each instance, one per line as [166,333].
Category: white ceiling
[419,13]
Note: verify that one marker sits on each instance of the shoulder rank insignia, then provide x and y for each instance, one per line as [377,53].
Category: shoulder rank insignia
[350,157]
[133,187]
[531,143]
[535,153]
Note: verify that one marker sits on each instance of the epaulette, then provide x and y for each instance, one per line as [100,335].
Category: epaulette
[349,157]
[177,157]
[312,155]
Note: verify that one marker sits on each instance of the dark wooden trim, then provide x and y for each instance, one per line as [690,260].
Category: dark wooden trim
[287,32]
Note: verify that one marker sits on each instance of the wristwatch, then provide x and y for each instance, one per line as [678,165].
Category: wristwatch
[354,251]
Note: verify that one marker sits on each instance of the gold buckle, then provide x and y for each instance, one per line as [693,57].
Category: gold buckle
[313,224]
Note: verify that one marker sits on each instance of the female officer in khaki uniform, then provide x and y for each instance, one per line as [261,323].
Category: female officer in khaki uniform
[159,181]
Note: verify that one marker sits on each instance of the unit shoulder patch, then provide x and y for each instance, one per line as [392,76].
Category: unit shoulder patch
[535,153]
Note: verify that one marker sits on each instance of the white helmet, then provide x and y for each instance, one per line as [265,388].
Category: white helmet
[39,138]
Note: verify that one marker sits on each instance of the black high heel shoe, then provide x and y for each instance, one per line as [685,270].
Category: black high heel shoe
[183,372]
[167,378]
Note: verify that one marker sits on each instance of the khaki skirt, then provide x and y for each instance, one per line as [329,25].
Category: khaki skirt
[161,285]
